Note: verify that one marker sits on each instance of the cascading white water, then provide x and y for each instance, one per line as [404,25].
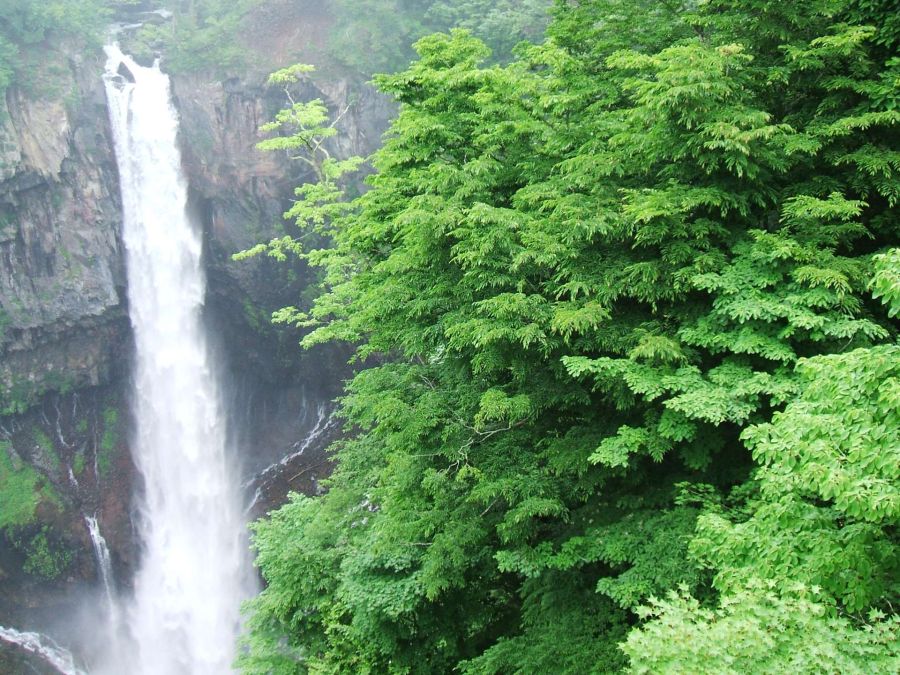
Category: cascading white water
[44,647]
[193,573]
[104,567]
[104,564]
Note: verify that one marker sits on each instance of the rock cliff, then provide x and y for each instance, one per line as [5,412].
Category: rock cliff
[64,339]
[240,194]
[62,317]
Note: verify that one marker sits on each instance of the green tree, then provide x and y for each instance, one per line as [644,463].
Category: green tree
[758,631]
[818,537]
[377,35]
[307,127]
[593,276]
[30,30]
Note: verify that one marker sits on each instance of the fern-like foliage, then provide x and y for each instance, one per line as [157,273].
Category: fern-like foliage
[621,294]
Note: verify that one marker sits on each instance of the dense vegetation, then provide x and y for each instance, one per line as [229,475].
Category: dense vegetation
[367,36]
[203,35]
[377,35]
[635,303]
[31,29]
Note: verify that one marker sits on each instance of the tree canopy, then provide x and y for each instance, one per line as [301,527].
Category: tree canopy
[377,35]
[634,298]
[28,29]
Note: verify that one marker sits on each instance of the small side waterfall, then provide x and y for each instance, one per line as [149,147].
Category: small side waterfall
[324,424]
[43,647]
[104,563]
[194,569]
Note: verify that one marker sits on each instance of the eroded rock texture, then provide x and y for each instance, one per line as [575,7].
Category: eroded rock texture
[61,272]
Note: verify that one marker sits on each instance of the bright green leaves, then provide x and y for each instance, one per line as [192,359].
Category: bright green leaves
[593,274]
[788,540]
[644,551]
[309,120]
[496,406]
[566,627]
[616,451]
[881,168]
[649,551]
[290,75]
[830,221]
[730,392]
[303,128]
[757,631]
[444,60]
[830,486]
[838,439]
[657,349]
[577,318]
[781,291]
[505,319]
[886,282]
[843,43]
[697,94]
[688,79]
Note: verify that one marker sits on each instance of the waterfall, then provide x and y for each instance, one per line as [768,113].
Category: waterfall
[44,647]
[112,646]
[193,574]
[104,567]
[104,564]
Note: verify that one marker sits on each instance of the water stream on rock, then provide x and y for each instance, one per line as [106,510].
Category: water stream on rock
[194,569]
[104,568]
[42,647]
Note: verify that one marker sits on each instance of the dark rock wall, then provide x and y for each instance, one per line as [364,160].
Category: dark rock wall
[240,194]
[77,443]
[64,338]
[62,316]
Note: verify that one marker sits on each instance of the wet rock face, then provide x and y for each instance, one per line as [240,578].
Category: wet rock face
[76,446]
[63,314]
[61,272]
[240,193]
[17,660]
[64,343]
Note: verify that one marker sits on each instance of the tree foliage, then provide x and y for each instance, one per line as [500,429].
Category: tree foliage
[377,35]
[632,295]
[29,30]
[202,35]
[758,631]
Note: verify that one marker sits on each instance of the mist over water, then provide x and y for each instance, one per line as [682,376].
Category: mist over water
[43,647]
[194,569]
[104,569]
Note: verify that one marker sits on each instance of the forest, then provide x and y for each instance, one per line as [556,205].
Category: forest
[627,305]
